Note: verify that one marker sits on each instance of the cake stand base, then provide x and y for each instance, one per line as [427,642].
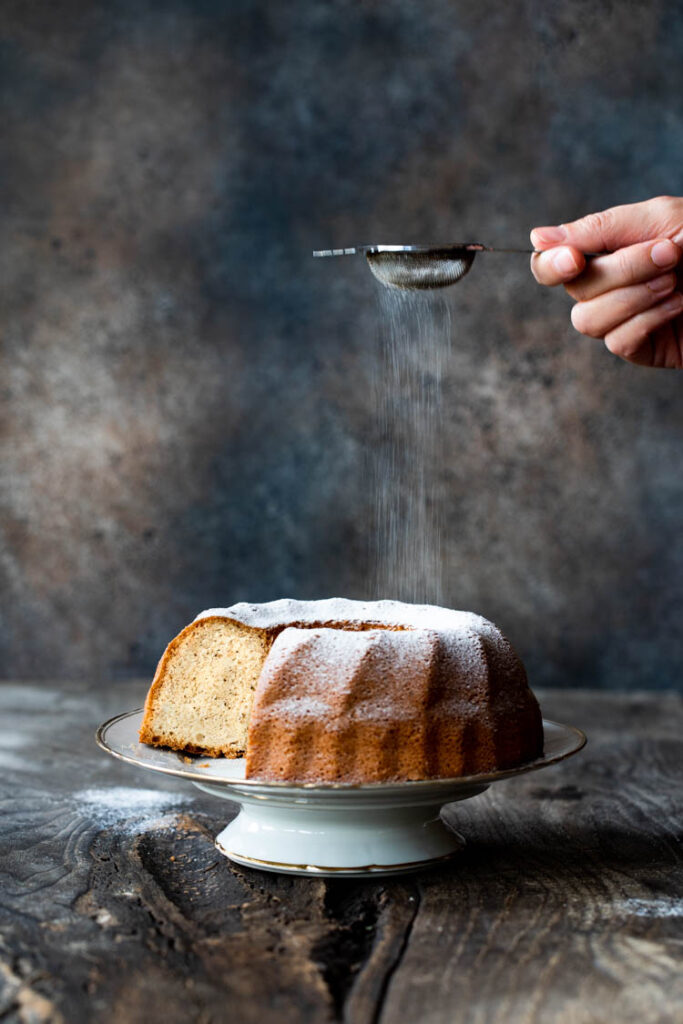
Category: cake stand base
[349,833]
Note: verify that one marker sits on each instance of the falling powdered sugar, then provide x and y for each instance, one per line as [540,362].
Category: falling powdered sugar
[416,335]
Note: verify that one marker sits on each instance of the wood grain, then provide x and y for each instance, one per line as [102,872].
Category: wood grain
[566,905]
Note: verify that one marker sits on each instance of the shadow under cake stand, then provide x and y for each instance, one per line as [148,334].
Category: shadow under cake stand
[332,829]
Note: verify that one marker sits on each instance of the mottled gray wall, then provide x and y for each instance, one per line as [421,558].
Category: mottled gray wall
[186,395]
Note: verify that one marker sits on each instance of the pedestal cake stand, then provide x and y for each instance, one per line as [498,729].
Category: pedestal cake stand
[332,829]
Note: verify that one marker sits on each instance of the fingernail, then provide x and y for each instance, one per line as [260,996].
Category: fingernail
[662,284]
[549,236]
[674,303]
[564,262]
[664,254]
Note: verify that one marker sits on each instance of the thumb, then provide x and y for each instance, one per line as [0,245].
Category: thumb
[616,227]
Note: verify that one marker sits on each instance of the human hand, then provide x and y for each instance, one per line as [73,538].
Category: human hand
[630,296]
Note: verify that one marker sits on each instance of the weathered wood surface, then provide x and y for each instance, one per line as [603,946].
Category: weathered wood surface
[566,906]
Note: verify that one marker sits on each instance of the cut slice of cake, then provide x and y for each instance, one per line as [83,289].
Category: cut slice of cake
[203,689]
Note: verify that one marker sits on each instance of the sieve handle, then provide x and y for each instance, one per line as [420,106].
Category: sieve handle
[475,247]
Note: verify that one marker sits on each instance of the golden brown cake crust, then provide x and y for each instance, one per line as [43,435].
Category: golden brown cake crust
[369,707]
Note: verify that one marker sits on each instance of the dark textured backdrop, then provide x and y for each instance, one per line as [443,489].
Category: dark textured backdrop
[186,395]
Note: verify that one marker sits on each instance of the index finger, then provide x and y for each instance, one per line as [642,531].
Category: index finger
[616,227]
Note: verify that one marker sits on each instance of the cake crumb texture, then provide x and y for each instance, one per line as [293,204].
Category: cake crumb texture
[201,696]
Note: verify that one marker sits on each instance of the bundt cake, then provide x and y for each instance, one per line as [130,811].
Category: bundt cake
[345,691]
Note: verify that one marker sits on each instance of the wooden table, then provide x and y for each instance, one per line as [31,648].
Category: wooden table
[566,906]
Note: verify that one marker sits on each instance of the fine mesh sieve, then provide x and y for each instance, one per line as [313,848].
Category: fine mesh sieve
[419,267]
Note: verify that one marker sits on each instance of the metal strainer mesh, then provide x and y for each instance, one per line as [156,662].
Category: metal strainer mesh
[420,270]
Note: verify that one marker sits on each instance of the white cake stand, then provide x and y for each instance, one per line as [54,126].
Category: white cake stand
[335,829]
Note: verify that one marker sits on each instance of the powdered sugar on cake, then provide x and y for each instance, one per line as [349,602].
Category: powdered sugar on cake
[341,611]
[334,660]
[457,629]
